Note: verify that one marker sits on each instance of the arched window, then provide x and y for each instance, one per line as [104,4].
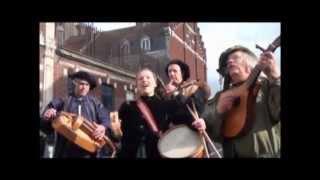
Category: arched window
[145,43]
[125,47]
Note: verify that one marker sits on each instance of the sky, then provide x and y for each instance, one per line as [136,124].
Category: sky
[217,37]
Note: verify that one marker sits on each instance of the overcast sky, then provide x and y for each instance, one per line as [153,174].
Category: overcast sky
[219,36]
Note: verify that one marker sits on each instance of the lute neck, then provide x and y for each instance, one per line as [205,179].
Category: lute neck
[258,68]
[253,76]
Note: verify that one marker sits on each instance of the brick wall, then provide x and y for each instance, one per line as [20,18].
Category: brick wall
[177,50]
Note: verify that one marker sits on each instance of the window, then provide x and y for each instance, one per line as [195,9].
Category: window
[107,96]
[125,47]
[145,43]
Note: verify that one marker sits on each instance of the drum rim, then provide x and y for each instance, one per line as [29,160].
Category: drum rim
[171,129]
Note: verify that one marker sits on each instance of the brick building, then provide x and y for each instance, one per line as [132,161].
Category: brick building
[146,45]
[56,63]
[114,56]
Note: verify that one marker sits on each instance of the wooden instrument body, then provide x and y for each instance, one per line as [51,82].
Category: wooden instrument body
[239,119]
[73,128]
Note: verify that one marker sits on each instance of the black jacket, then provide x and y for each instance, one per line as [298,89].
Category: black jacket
[136,132]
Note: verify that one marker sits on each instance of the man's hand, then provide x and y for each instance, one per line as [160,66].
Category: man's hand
[199,124]
[99,131]
[116,124]
[225,102]
[170,88]
[268,62]
[49,114]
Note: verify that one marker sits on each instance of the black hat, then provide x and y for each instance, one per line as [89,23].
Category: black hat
[183,66]
[224,57]
[85,76]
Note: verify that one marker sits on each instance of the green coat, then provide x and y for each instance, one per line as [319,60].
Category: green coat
[264,139]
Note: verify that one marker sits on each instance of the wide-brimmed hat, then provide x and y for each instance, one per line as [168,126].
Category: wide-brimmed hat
[85,76]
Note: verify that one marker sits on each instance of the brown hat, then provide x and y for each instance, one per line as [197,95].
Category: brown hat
[224,57]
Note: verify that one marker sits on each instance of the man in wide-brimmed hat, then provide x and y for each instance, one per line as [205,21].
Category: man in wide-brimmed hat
[263,138]
[91,109]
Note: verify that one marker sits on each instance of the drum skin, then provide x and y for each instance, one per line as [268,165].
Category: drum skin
[180,142]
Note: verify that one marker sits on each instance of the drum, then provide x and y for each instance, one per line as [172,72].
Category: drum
[181,142]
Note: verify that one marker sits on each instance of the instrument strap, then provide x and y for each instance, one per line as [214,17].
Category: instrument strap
[148,116]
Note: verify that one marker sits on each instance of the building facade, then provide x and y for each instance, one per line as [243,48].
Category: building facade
[114,57]
[56,63]
[150,45]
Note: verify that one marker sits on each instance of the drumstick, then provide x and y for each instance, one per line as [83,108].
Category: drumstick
[196,116]
[192,113]
[194,109]
[211,143]
[204,132]
[205,146]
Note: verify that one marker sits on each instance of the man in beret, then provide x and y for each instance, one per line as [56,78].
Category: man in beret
[91,109]
[263,138]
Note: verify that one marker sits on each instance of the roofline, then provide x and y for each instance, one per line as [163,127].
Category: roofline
[92,61]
